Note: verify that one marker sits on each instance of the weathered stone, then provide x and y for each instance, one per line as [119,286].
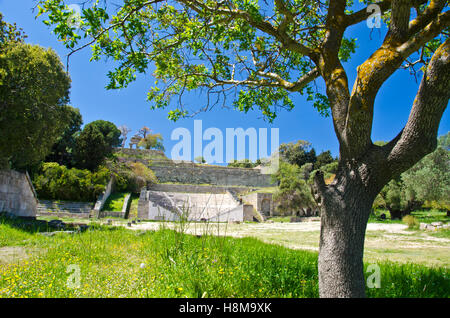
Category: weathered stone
[17,195]
[47,234]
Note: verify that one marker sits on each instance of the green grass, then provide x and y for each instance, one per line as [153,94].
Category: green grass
[422,216]
[134,206]
[115,202]
[180,265]
[442,233]
[281,219]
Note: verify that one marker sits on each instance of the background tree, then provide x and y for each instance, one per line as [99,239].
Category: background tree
[293,195]
[62,151]
[256,54]
[200,159]
[124,130]
[95,143]
[152,141]
[298,153]
[323,159]
[109,131]
[34,89]
[244,163]
[144,131]
[427,183]
[444,141]
[10,33]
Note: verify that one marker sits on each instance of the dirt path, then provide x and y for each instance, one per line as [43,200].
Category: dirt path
[232,229]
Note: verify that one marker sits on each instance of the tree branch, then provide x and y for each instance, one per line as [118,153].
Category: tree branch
[371,75]
[363,14]
[430,13]
[419,135]
[398,28]
[262,25]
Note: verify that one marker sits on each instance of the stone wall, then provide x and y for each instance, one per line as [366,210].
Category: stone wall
[167,170]
[65,215]
[17,195]
[190,173]
[262,202]
[104,214]
[143,205]
[141,153]
[193,188]
[104,196]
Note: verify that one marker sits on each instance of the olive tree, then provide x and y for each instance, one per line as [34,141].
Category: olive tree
[257,54]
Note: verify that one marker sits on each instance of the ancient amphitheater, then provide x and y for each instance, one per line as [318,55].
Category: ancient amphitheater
[204,192]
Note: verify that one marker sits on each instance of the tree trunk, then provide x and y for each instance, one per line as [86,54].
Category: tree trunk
[345,210]
[396,214]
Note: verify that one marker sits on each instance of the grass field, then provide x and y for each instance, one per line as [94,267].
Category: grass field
[116,262]
[115,202]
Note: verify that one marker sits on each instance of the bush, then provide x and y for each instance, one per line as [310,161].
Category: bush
[57,182]
[132,176]
[411,221]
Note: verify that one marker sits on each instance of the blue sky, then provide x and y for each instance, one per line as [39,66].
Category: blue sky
[129,106]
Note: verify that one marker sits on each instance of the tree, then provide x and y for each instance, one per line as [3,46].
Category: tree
[200,159]
[244,163]
[95,143]
[62,150]
[144,131]
[124,130]
[427,181]
[9,33]
[267,52]
[34,89]
[298,153]
[293,194]
[91,148]
[444,141]
[152,141]
[110,132]
[323,159]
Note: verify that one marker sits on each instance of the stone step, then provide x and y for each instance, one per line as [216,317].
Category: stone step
[69,207]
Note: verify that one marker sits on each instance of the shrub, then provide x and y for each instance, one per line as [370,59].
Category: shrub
[57,182]
[131,176]
[411,221]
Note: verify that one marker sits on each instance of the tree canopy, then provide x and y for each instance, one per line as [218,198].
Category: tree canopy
[34,91]
[152,141]
[62,151]
[95,143]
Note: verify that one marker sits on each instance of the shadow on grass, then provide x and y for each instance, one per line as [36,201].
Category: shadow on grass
[29,225]
[32,225]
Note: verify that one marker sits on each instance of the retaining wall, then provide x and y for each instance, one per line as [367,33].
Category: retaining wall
[17,195]
[104,196]
[190,173]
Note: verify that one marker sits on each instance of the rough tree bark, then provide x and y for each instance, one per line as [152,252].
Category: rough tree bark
[363,170]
